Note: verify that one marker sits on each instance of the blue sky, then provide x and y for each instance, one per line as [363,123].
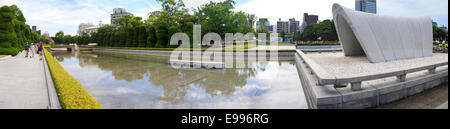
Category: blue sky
[66,15]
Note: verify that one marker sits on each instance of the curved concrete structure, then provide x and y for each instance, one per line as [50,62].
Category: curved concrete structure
[383,38]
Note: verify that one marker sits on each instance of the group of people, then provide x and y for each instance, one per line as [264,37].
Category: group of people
[33,48]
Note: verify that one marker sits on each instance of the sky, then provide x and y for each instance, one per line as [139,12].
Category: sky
[55,15]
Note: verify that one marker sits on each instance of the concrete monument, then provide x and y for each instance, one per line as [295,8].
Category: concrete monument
[383,38]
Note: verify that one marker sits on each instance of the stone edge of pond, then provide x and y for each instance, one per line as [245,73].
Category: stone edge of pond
[52,94]
[281,53]
[374,94]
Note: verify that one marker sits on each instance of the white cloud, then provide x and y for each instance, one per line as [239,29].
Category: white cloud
[286,9]
[197,3]
[66,15]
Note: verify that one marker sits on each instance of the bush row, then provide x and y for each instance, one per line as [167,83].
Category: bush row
[70,92]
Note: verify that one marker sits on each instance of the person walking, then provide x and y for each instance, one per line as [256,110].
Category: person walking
[40,49]
[36,48]
[27,49]
[32,50]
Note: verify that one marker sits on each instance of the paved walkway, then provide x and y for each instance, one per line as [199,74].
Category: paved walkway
[23,83]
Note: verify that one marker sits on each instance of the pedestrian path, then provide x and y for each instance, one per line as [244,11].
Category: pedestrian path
[23,83]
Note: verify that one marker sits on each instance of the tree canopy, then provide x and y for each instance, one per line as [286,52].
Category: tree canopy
[14,33]
[324,31]
[174,17]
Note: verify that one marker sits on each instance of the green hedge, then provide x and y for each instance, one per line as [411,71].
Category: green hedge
[70,92]
[9,51]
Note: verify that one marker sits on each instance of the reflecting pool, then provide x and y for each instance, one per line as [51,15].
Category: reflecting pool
[126,81]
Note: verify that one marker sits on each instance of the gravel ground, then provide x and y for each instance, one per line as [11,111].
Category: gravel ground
[341,66]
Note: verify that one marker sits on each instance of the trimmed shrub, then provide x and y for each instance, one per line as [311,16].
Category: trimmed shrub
[151,38]
[70,92]
[9,51]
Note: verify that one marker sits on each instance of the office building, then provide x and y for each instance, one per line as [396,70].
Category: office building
[293,25]
[308,20]
[264,23]
[117,13]
[368,6]
[282,26]
[33,28]
[88,28]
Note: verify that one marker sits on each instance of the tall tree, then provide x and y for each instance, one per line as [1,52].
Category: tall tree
[59,36]
[151,38]
[161,35]
[18,13]
[142,38]
[7,36]
[172,30]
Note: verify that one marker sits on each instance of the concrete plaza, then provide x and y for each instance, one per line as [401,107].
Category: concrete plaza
[24,85]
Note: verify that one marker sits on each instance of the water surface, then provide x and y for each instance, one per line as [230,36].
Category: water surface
[148,82]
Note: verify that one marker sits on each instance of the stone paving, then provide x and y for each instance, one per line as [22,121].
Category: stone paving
[22,83]
[335,63]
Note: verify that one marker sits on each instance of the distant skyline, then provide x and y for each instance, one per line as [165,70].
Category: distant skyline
[66,15]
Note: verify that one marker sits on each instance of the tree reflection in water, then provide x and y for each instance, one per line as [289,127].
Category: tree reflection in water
[174,82]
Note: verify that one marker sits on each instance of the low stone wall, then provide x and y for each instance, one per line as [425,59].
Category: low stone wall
[281,55]
[51,89]
[374,92]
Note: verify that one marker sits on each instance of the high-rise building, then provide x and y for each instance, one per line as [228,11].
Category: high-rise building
[368,6]
[434,23]
[308,20]
[293,25]
[33,28]
[282,26]
[264,22]
[117,13]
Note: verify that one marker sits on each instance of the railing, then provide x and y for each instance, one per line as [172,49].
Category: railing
[324,78]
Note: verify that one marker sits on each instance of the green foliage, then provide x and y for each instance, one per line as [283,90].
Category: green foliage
[142,36]
[18,13]
[130,37]
[151,38]
[123,39]
[172,30]
[14,33]
[172,18]
[59,37]
[439,34]
[70,92]
[173,12]
[7,36]
[324,30]
[161,35]
[9,51]
[129,21]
